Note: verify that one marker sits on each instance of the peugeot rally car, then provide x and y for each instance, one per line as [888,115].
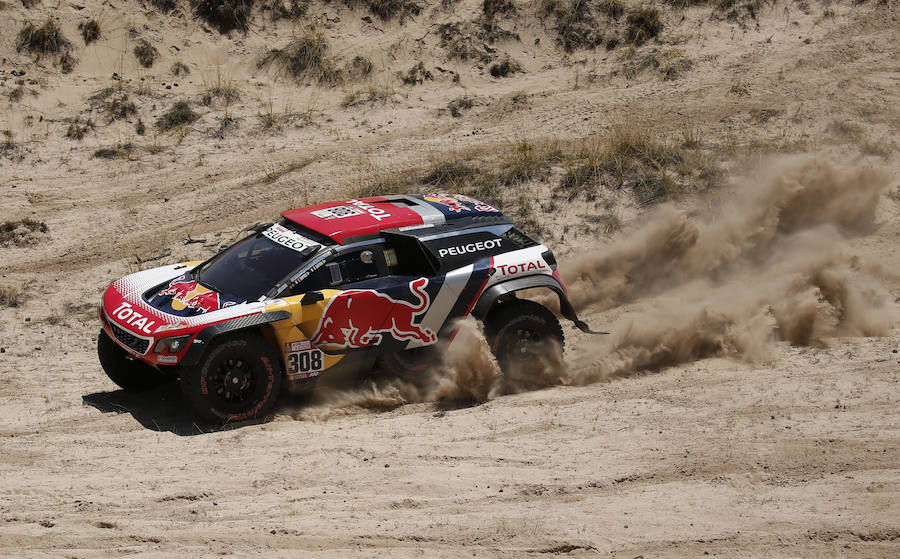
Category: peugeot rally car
[329,288]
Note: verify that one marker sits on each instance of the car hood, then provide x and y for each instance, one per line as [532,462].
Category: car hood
[164,299]
[183,295]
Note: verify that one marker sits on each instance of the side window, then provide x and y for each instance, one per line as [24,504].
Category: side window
[346,267]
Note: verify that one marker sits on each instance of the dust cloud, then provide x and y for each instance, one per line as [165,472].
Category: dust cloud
[465,374]
[772,264]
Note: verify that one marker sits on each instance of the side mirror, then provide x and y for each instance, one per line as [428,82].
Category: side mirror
[260,227]
[311,298]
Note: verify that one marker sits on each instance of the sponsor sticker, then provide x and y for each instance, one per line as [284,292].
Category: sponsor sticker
[337,212]
[167,359]
[127,314]
[304,364]
[512,269]
[297,346]
[287,238]
[470,247]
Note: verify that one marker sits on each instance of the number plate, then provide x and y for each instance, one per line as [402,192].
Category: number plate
[303,361]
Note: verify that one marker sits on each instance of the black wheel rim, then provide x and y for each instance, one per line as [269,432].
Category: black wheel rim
[234,383]
[519,342]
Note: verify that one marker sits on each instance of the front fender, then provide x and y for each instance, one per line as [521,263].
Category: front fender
[205,336]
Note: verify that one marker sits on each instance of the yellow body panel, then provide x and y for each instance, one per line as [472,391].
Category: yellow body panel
[292,336]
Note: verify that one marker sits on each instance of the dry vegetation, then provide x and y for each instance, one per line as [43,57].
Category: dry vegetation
[581,119]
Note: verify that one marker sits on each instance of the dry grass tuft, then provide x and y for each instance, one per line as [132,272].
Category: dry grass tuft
[21,232]
[224,15]
[505,68]
[643,24]
[11,296]
[78,128]
[385,10]
[120,150]
[165,6]
[46,39]
[457,106]
[576,28]
[305,56]
[145,53]
[90,30]
[416,75]
[179,114]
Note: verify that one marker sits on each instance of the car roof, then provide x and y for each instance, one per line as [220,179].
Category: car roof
[347,220]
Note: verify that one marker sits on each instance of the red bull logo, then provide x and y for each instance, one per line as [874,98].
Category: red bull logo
[360,317]
[193,295]
[453,204]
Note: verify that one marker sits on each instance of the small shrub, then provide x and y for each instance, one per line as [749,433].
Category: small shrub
[119,106]
[306,55]
[226,91]
[575,26]
[643,25]
[460,43]
[370,95]
[121,150]
[224,15]
[504,68]
[179,114]
[416,75]
[492,8]
[78,128]
[90,30]
[15,95]
[145,53]
[612,8]
[179,68]
[165,6]
[46,39]
[359,68]
[286,9]
[21,232]
[458,105]
[11,296]
[139,128]
[386,10]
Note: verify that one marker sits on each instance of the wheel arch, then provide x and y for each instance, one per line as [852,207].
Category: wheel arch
[259,322]
[486,302]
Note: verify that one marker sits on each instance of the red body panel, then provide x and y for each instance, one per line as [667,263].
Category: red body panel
[353,218]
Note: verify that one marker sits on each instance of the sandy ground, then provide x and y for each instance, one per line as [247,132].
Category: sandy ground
[681,449]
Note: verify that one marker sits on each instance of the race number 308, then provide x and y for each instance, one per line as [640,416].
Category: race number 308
[304,361]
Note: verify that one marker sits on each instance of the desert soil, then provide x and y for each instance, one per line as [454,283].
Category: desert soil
[706,423]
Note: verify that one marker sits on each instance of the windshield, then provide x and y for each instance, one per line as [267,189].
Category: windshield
[251,267]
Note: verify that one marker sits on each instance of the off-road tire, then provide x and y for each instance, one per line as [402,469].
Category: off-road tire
[523,334]
[239,378]
[132,375]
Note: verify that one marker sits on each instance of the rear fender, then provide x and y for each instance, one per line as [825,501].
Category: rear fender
[498,291]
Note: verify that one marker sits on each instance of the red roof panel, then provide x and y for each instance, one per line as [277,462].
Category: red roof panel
[354,218]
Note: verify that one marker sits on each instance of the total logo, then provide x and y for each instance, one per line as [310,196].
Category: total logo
[126,313]
[374,211]
[511,269]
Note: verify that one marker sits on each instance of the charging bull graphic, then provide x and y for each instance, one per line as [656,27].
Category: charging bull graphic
[193,295]
[358,317]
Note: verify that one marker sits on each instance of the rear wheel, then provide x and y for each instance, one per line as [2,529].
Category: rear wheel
[239,378]
[132,375]
[528,342]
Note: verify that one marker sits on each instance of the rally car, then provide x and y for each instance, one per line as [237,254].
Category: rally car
[331,288]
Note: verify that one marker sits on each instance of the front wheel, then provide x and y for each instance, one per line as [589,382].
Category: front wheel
[132,375]
[239,378]
[528,342]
